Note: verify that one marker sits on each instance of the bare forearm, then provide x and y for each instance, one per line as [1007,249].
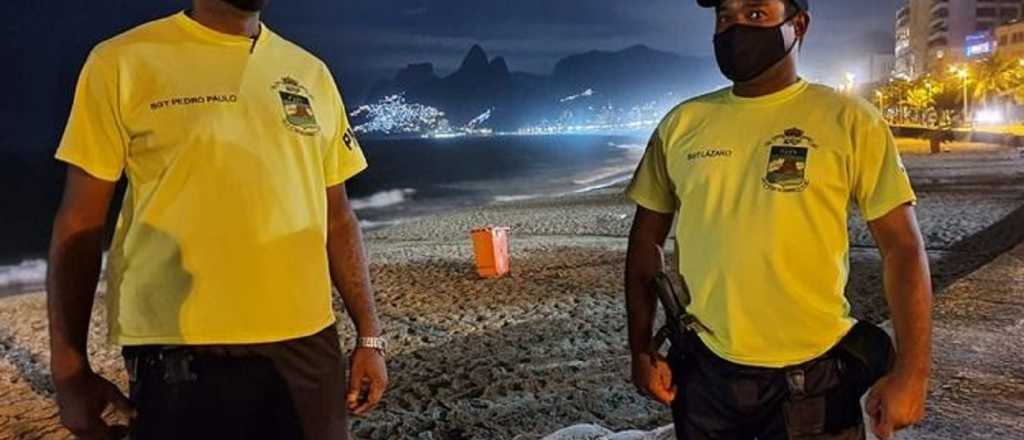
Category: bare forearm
[642,263]
[72,277]
[909,294]
[350,273]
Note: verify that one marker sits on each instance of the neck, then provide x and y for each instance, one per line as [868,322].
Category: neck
[777,78]
[221,16]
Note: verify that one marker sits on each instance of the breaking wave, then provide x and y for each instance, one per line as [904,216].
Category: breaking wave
[29,274]
[383,199]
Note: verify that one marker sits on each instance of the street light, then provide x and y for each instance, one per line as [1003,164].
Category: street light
[963,73]
[849,85]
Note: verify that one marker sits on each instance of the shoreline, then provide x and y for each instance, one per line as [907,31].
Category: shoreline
[37,262]
[407,209]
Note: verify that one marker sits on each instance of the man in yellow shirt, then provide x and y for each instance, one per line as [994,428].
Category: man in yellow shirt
[759,178]
[235,224]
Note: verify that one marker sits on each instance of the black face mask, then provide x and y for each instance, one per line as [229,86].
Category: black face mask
[744,52]
[248,5]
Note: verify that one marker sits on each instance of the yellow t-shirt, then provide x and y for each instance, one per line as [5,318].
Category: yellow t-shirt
[762,190]
[228,146]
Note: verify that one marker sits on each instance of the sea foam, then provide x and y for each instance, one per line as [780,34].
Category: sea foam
[383,199]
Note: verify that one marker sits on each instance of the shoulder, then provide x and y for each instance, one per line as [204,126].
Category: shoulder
[118,46]
[295,54]
[302,62]
[690,109]
[698,103]
[852,109]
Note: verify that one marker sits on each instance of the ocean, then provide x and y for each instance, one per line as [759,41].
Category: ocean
[407,178]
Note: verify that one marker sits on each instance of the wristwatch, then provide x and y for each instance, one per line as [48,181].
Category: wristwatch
[374,342]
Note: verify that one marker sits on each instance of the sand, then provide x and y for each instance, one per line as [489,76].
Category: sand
[544,348]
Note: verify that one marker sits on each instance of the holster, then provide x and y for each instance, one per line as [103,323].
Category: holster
[863,356]
[678,323]
[866,354]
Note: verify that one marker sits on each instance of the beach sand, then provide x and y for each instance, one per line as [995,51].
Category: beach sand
[544,348]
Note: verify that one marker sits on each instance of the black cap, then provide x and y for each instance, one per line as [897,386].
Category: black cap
[802,4]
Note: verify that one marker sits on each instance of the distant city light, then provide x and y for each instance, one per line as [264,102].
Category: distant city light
[393,115]
[602,118]
[583,94]
[479,120]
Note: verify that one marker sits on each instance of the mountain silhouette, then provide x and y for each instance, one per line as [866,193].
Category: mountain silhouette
[416,74]
[629,77]
[475,61]
[478,85]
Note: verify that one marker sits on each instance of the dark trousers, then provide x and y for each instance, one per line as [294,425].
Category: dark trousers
[285,390]
[721,400]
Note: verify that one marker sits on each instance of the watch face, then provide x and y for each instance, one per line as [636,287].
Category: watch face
[376,343]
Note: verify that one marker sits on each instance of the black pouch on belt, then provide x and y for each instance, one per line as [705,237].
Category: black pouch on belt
[863,356]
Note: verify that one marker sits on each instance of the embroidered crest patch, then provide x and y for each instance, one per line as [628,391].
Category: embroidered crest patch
[297,105]
[788,154]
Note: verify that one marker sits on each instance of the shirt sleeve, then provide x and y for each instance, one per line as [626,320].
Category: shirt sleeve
[343,157]
[95,139]
[880,181]
[651,187]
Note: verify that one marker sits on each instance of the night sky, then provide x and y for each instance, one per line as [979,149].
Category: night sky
[366,40]
[533,34]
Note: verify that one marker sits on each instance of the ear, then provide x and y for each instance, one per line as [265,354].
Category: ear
[802,24]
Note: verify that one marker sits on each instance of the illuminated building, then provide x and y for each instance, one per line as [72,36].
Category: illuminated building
[932,33]
[880,67]
[1010,39]
[904,64]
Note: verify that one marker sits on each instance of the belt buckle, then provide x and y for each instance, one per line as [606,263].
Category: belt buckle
[797,381]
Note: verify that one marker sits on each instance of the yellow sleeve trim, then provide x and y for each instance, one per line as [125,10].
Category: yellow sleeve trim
[109,175]
[650,203]
[344,174]
[882,209]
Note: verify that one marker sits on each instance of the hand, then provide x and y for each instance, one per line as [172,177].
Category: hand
[896,402]
[82,400]
[367,381]
[653,377]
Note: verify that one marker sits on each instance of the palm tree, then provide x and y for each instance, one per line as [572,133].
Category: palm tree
[947,102]
[995,76]
[1015,82]
[895,94]
[920,98]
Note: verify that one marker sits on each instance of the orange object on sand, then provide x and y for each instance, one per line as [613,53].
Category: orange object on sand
[490,245]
